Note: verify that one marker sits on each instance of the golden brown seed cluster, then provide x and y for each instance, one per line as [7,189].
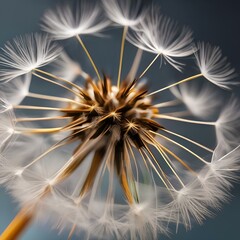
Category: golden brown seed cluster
[125,111]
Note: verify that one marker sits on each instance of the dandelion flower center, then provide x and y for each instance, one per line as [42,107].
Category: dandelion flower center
[107,159]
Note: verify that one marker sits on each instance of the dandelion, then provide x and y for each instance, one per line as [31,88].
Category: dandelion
[160,35]
[66,22]
[213,66]
[15,91]
[7,125]
[25,54]
[124,13]
[200,101]
[102,156]
[227,125]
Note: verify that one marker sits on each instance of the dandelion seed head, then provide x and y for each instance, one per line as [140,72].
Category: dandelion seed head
[26,53]
[160,35]
[201,101]
[66,22]
[19,172]
[213,66]
[66,68]
[227,125]
[125,13]
[15,91]
[106,157]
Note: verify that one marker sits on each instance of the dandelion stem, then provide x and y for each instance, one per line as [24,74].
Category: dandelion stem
[147,68]
[162,116]
[125,186]
[168,162]
[71,231]
[52,148]
[167,104]
[52,98]
[96,162]
[58,84]
[23,218]
[179,114]
[28,107]
[144,160]
[132,73]
[165,157]
[125,29]
[58,78]
[18,225]
[177,83]
[150,137]
[37,108]
[38,130]
[41,119]
[130,173]
[178,159]
[188,139]
[133,157]
[75,161]
[155,169]
[181,146]
[89,56]
[229,153]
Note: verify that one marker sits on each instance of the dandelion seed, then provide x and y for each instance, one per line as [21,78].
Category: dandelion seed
[201,101]
[160,35]
[66,68]
[189,203]
[227,125]
[25,54]
[124,13]
[65,22]
[15,91]
[106,159]
[7,125]
[213,66]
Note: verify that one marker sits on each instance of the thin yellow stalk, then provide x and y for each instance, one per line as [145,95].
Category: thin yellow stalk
[181,146]
[189,140]
[58,78]
[178,159]
[18,225]
[73,163]
[53,98]
[158,146]
[125,29]
[177,83]
[89,56]
[55,146]
[126,188]
[155,169]
[58,84]
[71,232]
[167,104]
[38,108]
[150,137]
[132,73]
[95,165]
[162,116]
[41,119]
[27,107]
[147,68]
[133,157]
[24,217]
[167,161]
[38,130]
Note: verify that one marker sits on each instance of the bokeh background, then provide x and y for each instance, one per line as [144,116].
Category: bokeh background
[214,21]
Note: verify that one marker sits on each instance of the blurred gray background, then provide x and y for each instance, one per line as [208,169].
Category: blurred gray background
[214,21]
